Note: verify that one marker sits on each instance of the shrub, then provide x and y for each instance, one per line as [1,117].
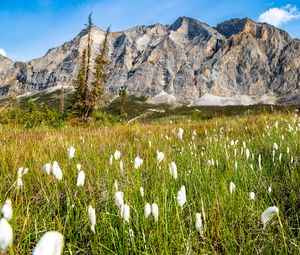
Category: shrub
[105,118]
[53,118]
[32,117]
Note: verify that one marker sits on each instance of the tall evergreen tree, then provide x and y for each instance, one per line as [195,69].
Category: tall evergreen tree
[123,95]
[100,75]
[80,87]
[88,94]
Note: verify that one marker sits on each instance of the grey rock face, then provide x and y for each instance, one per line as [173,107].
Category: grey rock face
[187,60]
[5,66]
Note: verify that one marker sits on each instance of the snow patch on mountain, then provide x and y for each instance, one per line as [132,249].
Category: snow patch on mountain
[209,99]
[162,98]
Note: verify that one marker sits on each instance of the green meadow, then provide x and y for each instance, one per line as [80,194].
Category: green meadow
[259,153]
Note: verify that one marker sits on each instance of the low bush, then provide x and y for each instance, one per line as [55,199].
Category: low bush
[32,116]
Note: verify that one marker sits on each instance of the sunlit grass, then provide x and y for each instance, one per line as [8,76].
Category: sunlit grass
[232,221]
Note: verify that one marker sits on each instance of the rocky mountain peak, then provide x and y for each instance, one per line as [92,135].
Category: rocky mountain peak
[235,26]
[187,60]
[158,29]
[183,23]
[259,30]
[5,65]
[192,28]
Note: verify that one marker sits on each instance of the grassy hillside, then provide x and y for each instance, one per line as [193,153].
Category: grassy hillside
[211,154]
[136,107]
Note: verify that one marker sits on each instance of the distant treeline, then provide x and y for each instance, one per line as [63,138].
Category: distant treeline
[32,114]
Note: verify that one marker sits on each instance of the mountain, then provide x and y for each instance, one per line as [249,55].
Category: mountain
[238,58]
[6,65]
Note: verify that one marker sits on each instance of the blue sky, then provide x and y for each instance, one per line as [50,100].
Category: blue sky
[29,28]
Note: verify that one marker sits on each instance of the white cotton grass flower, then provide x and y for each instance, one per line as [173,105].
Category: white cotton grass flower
[199,225]
[119,198]
[244,144]
[251,167]
[71,152]
[251,195]
[142,191]
[56,171]
[275,146]
[138,162]
[269,189]
[6,234]
[51,243]
[280,157]
[154,209]
[147,210]
[80,179]
[47,168]
[116,186]
[125,212]
[92,216]
[21,172]
[259,162]
[180,133]
[19,182]
[194,135]
[247,154]
[211,162]
[173,169]
[78,166]
[268,214]
[7,211]
[121,166]
[160,156]
[231,187]
[117,155]
[181,196]
[25,171]
[111,159]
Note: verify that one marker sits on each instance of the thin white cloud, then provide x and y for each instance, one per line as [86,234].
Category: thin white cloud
[279,16]
[2,52]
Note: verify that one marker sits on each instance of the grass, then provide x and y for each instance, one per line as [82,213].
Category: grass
[232,222]
[137,106]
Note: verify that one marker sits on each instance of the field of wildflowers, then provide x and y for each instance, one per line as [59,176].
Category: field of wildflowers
[227,185]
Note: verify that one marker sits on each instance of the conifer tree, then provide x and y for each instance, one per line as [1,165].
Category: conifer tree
[80,87]
[123,95]
[88,94]
[101,62]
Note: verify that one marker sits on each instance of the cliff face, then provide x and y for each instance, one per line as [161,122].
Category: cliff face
[187,60]
[5,66]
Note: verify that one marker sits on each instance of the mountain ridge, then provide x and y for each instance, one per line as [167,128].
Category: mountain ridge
[186,59]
